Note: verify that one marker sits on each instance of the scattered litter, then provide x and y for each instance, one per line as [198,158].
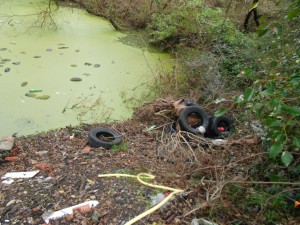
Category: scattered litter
[11,202]
[24,84]
[35,90]
[8,181]
[76,79]
[151,128]
[202,129]
[7,143]
[11,158]
[202,222]
[29,174]
[31,95]
[219,142]
[43,97]
[157,199]
[67,211]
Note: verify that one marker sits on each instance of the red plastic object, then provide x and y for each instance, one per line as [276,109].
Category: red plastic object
[221,129]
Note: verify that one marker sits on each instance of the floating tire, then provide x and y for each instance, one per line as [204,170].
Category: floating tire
[103,137]
[220,126]
[196,113]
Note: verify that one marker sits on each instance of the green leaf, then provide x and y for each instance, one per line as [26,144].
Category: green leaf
[220,112]
[298,51]
[275,149]
[272,122]
[293,13]
[291,123]
[248,94]
[293,110]
[286,158]
[248,72]
[238,99]
[279,28]
[273,64]
[262,32]
[296,142]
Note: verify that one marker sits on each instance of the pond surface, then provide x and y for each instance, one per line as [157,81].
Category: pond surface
[37,65]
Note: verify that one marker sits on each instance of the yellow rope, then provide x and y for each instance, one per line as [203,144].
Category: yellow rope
[139,177]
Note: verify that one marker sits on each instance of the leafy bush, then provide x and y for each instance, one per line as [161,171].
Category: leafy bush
[275,95]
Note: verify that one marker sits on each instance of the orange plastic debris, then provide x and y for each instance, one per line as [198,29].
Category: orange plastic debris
[296,204]
[82,209]
[11,158]
[43,166]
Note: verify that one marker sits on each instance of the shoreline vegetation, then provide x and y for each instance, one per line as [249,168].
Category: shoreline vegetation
[252,76]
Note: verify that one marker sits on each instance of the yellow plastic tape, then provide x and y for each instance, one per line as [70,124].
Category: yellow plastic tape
[139,177]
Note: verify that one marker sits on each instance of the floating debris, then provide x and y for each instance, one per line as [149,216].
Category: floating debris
[76,79]
[12,42]
[49,49]
[73,65]
[77,50]
[37,56]
[16,63]
[96,65]
[30,95]
[61,44]
[7,69]
[24,84]
[88,64]
[86,74]
[35,90]
[43,97]
[23,52]
[5,60]
[63,47]
[3,49]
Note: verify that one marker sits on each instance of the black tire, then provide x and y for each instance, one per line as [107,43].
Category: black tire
[216,122]
[103,137]
[193,111]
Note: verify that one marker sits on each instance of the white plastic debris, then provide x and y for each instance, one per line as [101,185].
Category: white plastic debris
[201,129]
[8,181]
[218,142]
[67,211]
[202,222]
[158,199]
[29,174]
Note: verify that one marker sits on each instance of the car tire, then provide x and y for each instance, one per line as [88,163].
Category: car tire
[193,111]
[103,137]
[220,122]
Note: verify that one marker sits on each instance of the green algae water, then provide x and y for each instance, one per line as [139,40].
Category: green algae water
[77,72]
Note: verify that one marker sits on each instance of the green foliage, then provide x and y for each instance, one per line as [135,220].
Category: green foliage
[275,96]
[120,147]
[195,23]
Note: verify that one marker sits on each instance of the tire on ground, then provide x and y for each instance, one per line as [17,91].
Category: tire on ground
[196,113]
[216,122]
[103,137]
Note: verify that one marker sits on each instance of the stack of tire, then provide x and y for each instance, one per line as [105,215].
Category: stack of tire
[210,126]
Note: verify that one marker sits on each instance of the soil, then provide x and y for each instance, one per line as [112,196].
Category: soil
[69,170]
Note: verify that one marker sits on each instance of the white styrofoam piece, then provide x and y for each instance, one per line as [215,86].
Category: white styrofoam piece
[29,174]
[68,211]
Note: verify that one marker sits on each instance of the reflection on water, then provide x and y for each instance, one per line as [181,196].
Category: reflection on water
[78,72]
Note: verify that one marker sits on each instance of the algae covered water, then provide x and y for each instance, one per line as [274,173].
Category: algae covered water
[62,67]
